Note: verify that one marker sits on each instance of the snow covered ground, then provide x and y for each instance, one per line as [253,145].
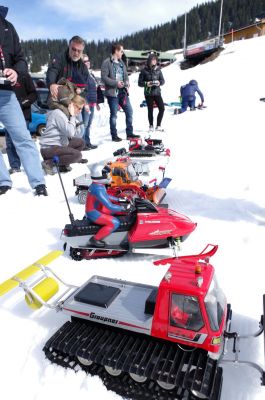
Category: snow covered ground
[217,166]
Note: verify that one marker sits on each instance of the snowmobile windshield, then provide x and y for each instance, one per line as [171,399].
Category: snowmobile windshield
[215,302]
[141,169]
[132,173]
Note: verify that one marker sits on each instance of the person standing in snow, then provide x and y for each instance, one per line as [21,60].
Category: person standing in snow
[151,78]
[187,93]
[114,75]
[13,63]
[26,94]
[92,102]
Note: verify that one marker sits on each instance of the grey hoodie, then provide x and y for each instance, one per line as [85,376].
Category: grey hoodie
[59,129]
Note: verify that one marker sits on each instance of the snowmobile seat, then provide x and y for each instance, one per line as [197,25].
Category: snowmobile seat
[151,302]
[97,295]
[84,227]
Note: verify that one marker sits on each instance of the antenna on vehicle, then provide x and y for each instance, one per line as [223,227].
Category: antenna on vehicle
[56,162]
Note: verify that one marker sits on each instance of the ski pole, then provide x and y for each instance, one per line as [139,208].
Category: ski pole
[56,162]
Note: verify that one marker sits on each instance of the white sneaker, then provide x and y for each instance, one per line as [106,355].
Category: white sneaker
[151,128]
[159,129]
[48,168]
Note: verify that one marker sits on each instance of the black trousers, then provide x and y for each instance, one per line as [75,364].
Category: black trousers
[150,100]
[67,154]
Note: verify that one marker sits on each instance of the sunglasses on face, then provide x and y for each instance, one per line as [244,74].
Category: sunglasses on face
[76,50]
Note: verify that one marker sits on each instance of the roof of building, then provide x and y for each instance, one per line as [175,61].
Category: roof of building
[143,54]
[261,22]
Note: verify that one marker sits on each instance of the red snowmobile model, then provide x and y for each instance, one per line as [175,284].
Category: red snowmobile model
[142,230]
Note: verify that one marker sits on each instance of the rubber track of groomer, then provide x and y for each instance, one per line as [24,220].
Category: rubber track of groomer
[137,354]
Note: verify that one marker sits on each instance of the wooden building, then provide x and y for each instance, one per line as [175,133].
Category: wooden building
[248,32]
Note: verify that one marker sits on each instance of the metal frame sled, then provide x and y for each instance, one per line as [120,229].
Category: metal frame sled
[39,283]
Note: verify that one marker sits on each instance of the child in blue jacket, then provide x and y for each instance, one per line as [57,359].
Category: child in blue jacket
[187,93]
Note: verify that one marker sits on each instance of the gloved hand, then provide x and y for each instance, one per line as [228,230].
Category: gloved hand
[123,199]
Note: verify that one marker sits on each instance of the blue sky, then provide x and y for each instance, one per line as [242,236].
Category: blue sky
[93,20]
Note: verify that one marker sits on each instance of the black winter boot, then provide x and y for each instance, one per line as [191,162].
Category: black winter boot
[96,243]
[40,190]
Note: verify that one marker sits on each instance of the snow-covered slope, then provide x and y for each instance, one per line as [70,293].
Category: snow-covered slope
[217,167]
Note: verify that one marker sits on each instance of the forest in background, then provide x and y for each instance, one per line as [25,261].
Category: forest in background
[202,23]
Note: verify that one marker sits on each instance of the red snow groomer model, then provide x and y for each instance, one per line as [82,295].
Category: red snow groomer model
[152,148]
[159,342]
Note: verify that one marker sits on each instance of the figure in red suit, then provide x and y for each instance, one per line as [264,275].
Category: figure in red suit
[99,208]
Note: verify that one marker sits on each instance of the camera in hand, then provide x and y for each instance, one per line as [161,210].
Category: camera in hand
[3,79]
[155,83]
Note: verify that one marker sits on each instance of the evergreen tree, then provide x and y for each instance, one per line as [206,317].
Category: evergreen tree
[202,22]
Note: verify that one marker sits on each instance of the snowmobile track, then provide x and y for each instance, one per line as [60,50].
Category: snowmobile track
[138,354]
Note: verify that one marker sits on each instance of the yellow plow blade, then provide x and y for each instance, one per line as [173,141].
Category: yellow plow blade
[26,273]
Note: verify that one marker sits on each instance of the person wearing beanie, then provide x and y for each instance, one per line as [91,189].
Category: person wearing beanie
[188,95]
[151,78]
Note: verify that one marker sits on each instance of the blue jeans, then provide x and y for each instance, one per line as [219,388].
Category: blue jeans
[114,103]
[13,158]
[12,117]
[187,102]
[87,119]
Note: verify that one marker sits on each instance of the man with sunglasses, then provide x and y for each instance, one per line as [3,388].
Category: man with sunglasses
[69,65]
[115,77]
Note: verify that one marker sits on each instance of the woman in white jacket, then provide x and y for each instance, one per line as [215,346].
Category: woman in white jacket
[60,137]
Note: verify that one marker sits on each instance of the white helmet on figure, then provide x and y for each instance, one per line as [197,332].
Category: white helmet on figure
[100,173]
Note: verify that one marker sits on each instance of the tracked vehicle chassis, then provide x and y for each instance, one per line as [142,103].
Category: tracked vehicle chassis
[188,371]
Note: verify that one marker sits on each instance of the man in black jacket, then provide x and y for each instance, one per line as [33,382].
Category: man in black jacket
[151,78]
[12,63]
[69,65]
[26,94]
